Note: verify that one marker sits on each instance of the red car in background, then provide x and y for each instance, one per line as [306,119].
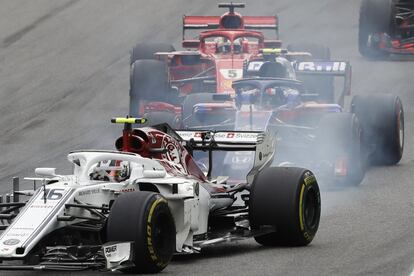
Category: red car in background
[162,77]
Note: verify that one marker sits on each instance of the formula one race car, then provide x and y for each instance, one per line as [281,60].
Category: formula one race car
[131,210]
[161,77]
[386,27]
[311,133]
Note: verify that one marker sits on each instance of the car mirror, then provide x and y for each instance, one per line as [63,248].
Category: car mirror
[45,171]
[154,173]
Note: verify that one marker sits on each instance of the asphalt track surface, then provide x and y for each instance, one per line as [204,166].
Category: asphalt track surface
[64,69]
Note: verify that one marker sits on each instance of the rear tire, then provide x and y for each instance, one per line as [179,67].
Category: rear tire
[288,199]
[382,120]
[375,18]
[149,82]
[339,142]
[147,50]
[145,219]
[163,117]
[323,85]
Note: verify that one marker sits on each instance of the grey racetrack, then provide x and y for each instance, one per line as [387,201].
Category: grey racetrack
[64,71]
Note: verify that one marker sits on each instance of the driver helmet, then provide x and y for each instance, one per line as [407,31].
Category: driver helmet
[223,45]
[122,172]
[237,45]
[279,68]
[280,96]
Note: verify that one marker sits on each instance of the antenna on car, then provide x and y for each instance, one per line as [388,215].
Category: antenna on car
[126,133]
[231,6]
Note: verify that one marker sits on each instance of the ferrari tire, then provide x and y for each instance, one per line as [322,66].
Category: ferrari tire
[322,85]
[147,50]
[375,18]
[148,82]
[145,219]
[382,120]
[163,117]
[288,199]
[339,141]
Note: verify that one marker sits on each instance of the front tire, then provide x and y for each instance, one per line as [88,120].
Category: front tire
[288,199]
[147,50]
[145,219]
[149,82]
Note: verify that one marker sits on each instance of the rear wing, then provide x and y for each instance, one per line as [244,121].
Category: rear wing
[328,68]
[213,22]
[262,143]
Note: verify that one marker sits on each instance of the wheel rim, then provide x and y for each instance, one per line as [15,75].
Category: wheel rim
[162,235]
[311,209]
[400,126]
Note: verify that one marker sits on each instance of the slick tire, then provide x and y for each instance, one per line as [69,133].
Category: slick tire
[339,139]
[148,82]
[323,85]
[382,120]
[147,50]
[145,219]
[288,199]
[163,117]
[375,17]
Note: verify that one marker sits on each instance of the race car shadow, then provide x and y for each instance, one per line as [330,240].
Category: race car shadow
[226,250]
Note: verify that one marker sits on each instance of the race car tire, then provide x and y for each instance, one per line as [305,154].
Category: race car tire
[322,85]
[149,82]
[288,199]
[339,141]
[147,50]
[162,117]
[382,120]
[375,17]
[145,219]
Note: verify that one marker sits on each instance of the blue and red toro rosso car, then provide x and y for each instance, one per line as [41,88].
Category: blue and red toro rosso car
[310,131]
[386,27]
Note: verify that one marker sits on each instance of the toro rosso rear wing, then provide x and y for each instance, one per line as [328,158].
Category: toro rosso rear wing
[213,22]
[262,143]
[329,69]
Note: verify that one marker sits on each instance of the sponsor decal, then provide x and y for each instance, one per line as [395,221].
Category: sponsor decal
[335,66]
[109,250]
[89,192]
[128,190]
[17,234]
[11,242]
[254,66]
[173,155]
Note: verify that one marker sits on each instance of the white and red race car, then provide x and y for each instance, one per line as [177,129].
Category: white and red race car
[131,210]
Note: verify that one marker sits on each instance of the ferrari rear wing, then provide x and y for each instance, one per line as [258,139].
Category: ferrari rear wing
[213,22]
[328,68]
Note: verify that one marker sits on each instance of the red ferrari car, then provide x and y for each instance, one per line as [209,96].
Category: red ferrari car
[161,77]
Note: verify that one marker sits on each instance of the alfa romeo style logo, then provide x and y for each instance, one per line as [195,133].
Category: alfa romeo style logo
[11,242]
